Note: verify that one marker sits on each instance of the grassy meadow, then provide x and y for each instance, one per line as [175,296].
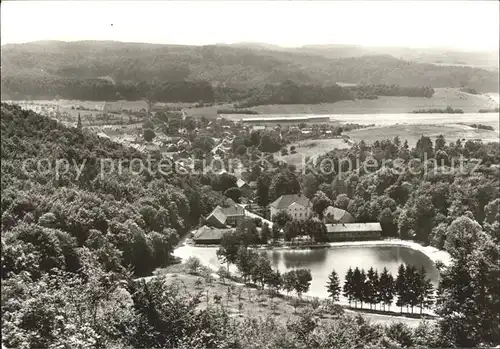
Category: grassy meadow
[245,301]
[311,148]
[442,98]
[114,105]
[412,133]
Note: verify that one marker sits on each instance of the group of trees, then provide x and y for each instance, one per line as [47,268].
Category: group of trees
[247,232]
[235,250]
[389,182]
[264,141]
[372,91]
[271,141]
[313,227]
[50,87]
[289,92]
[237,111]
[128,220]
[411,286]
[469,292]
[483,127]
[490,110]
[415,193]
[447,110]
[102,310]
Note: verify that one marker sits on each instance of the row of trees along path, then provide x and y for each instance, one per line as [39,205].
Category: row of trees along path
[257,268]
[411,286]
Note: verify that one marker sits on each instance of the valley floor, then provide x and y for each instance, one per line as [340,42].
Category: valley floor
[442,98]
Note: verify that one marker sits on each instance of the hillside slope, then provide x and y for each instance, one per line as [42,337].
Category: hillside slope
[68,63]
[60,178]
[445,56]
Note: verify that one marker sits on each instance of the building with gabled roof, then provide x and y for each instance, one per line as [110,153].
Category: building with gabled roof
[209,235]
[354,231]
[244,187]
[228,214]
[298,206]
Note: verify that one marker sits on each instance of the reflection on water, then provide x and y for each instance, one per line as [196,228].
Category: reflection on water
[275,257]
[322,261]
[302,258]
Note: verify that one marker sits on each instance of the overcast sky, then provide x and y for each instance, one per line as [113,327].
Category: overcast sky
[471,25]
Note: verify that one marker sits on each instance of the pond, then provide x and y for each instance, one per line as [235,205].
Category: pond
[321,261]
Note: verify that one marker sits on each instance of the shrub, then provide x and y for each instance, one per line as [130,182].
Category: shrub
[193,264]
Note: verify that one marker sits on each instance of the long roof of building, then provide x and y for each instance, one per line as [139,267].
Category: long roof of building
[352,227]
[269,118]
[209,233]
[284,201]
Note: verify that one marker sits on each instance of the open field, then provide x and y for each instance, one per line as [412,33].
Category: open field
[243,301]
[114,105]
[442,98]
[491,67]
[311,148]
[490,119]
[99,105]
[412,133]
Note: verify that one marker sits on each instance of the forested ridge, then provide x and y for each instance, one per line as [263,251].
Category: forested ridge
[113,70]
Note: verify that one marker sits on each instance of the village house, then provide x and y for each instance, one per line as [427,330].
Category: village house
[353,231]
[297,206]
[183,142]
[209,235]
[244,187]
[230,214]
[258,128]
[244,174]
[183,154]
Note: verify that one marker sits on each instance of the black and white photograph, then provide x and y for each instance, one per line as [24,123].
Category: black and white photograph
[250,174]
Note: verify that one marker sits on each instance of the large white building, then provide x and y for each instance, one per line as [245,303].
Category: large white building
[296,205]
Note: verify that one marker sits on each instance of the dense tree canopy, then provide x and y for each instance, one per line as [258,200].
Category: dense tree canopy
[130,219]
[112,71]
[73,241]
[411,199]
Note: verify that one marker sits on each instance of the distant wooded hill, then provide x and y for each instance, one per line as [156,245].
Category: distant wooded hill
[102,70]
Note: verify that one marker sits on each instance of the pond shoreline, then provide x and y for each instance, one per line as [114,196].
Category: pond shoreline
[434,254]
[431,254]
